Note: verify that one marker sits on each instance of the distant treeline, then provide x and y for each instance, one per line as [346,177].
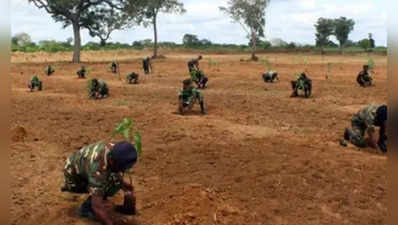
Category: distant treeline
[205,46]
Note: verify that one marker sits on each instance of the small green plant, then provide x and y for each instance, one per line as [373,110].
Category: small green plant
[371,64]
[125,129]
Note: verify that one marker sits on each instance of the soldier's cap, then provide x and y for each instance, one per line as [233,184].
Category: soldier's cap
[187,82]
[124,155]
[200,57]
[381,115]
[366,66]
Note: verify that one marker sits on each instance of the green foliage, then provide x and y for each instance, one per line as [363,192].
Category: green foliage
[324,29]
[250,15]
[343,28]
[371,64]
[125,129]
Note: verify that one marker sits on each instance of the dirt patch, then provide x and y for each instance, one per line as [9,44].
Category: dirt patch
[258,157]
[18,134]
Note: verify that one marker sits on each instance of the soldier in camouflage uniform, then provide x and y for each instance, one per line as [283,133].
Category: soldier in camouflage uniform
[302,83]
[98,170]
[49,70]
[82,72]
[35,82]
[364,122]
[132,78]
[188,97]
[193,64]
[147,65]
[364,78]
[270,77]
[114,67]
[98,89]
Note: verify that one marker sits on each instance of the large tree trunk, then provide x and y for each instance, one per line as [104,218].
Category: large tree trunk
[254,46]
[77,45]
[155,33]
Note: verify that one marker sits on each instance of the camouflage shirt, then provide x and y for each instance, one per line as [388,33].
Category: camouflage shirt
[91,164]
[368,115]
[190,95]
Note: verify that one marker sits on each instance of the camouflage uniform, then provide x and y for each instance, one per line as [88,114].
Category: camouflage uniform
[189,97]
[35,82]
[87,171]
[101,88]
[363,122]
[114,67]
[270,76]
[132,78]
[147,65]
[192,64]
[82,72]
[364,78]
[49,70]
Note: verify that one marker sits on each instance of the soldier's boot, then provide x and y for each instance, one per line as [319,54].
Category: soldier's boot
[86,210]
[203,108]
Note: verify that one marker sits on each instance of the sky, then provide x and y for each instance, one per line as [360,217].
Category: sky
[290,20]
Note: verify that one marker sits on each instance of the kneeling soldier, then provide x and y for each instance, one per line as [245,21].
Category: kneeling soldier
[97,170]
[302,83]
[132,78]
[364,78]
[270,77]
[188,97]
[82,72]
[98,89]
[49,70]
[364,122]
[35,83]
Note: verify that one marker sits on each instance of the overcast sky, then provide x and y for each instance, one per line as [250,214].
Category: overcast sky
[291,20]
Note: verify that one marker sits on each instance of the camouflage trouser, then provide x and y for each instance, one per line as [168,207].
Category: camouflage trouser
[75,183]
[359,129]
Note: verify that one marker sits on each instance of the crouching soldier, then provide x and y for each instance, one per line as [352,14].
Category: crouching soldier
[302,83]
[364,78]
[270,77]
[97,170]
[189,96]
[132,78]
[114,67]
[49,70]
[35,83]
[147,65]
[82,72]
[199,78]
[98,89]
[364,122]
[193,64]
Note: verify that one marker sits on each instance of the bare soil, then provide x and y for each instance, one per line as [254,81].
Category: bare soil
[258,157]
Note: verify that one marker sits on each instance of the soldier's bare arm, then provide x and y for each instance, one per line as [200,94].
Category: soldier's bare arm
[100,210]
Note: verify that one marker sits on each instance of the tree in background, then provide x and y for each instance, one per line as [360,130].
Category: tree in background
[324,29]
[250,14]
[343,28]
[149,11]
[109,20]
[78,14]
[21,39]
[190,40]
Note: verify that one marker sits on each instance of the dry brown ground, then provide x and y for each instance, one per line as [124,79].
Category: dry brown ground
[259,157]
